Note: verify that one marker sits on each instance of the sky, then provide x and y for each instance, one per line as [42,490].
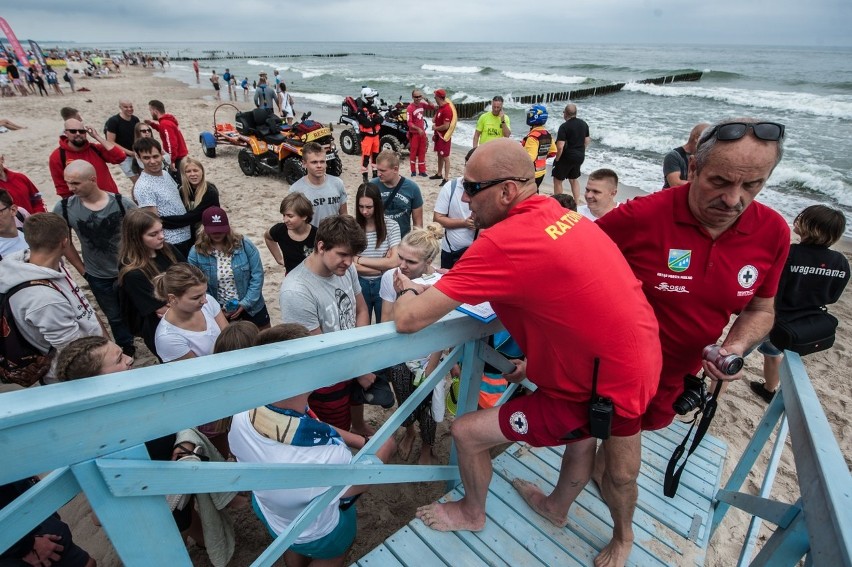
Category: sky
[741,22]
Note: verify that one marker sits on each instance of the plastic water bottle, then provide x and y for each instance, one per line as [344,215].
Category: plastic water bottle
[232,305]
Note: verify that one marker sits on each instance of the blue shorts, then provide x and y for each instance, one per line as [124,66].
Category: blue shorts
[768,349]
[335,544]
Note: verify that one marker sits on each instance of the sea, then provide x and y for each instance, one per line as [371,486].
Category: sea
[808,89]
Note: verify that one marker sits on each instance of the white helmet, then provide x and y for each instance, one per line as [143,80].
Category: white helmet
[367,92]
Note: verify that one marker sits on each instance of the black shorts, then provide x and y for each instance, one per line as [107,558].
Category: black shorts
[216,86]
[567,168]
[73,555]
[261,318]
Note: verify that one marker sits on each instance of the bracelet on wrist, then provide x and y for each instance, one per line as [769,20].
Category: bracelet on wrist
[406,290]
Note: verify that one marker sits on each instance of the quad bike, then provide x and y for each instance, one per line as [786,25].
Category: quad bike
[393,134]
[277,148]
[223,133]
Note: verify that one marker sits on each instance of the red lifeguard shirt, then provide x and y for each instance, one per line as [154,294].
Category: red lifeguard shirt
[24,193]
[695,283]
[565,294]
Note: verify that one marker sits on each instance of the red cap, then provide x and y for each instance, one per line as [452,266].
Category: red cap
[215,221]
[441,93]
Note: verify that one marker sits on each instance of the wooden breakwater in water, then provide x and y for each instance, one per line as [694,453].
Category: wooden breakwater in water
[215,56]
[471,109]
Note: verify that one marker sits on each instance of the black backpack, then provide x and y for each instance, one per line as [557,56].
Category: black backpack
[20,362]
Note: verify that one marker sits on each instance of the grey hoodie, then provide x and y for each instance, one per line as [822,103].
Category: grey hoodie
[47,318]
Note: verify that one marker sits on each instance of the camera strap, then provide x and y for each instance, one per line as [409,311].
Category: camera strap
[672,478]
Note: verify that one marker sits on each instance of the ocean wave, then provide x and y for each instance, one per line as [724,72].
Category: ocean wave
[255,62]
[833,106]
[618,139]
[814,179]
[710,74]
[545,78]
[462,96]
[451,69]
[325,98]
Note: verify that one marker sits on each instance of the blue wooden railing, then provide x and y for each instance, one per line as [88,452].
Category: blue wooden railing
[89,433]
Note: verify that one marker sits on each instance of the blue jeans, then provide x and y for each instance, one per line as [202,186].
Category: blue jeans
[370,290]
[106,294]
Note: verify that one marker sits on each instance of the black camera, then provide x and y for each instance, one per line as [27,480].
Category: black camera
[693,397]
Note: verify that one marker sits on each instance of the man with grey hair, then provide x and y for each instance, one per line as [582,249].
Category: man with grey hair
[676,162]
[572,139]
[706,250]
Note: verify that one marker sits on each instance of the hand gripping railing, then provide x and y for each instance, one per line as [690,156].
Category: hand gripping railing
[89,432]
[819,524]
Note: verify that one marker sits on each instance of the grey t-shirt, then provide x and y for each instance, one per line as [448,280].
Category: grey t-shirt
[675,160]
[317,302]
[404,202]
[161,191]
[99,233]
[325,198]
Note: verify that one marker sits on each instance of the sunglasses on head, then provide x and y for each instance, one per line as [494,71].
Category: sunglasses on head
[75,131]
[768,131]
[474,187]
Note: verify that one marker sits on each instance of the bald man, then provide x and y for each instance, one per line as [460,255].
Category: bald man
[96,217]
[120,129]
[530,264]
[74,145]
[572,139]
[676,162]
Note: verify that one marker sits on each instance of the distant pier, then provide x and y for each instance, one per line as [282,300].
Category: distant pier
[219,55]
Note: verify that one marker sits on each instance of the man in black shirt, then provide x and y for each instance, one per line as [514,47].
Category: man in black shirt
[676,162]
[119,130]
[571,142]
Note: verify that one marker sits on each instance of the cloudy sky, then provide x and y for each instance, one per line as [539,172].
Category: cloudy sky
[768,22]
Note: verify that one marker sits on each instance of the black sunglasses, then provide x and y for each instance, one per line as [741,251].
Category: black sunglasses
[769,131]
[75,131]
[474,187]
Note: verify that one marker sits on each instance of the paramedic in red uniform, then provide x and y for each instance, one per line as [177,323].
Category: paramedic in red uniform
[417,140]
[554,279]
[706,250]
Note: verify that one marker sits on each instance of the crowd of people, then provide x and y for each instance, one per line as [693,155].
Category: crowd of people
[170,266]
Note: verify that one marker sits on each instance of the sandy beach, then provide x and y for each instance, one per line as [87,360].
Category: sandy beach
[252,203]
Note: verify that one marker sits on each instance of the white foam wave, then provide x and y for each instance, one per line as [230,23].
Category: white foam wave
[462,96]
[255,62]
[450,69]
[815,177]
[833,106]
[625,139]
[330,99]
[544,78]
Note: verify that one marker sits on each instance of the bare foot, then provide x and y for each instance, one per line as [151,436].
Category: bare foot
[537,500]
[427,457]
[615,554]
[405,445]
[450,517]
[364,430]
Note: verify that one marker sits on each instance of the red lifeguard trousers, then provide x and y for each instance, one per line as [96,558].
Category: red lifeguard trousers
[417,152]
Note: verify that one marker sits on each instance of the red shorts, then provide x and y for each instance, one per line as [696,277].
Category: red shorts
[542,421]
[442,147]
[660,412]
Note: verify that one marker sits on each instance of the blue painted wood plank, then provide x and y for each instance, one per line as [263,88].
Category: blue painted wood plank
[498,540]
[409,549]
[593,528]
[452,549]
[380,557]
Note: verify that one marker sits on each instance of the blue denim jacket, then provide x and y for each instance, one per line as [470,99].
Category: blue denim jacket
[248,274]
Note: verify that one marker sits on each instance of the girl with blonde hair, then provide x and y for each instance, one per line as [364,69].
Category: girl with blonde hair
[197,195]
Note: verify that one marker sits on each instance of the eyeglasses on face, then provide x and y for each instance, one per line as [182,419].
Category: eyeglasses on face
[75,131]
[471,188]
[768,131]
